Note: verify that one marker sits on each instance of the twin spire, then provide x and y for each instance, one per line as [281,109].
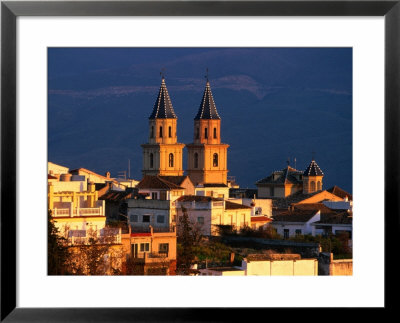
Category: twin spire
[163,108]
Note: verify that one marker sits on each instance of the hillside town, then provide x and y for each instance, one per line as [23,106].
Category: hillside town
[196,221]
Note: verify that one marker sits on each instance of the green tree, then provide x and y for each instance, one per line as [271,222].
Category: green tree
[57,250]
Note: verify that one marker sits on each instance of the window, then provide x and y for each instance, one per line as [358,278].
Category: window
[152,132]
[144,247]
[196,160]
[146,218]
[215,160]
[298,232]
[160,218]
[285,233]
[151,161]
[197,133]
[271,191]
[154,195]
[133,218]
[312,186]
[171,160]
[163,248]
[169,132]
[205,133]
[200,220]
[319,186]
[161,132]
[215,133]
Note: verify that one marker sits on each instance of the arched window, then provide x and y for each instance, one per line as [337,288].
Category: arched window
[215,133]
[312,186]
[197,133]
[196,160]
[152,132]
[151,161]
[215,160]
[160,131]
[171,160]
[319,186]
[205,133]
[169,132]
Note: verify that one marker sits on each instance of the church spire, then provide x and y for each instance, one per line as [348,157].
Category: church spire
[207,109]
[163,107]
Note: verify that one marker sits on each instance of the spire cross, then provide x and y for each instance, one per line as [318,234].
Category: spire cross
[206,76]
[162,73]
[313,155]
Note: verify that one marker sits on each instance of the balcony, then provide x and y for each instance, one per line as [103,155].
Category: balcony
[74,212]
[106,236]
[150,257]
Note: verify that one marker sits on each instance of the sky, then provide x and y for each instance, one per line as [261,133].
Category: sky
[276,104]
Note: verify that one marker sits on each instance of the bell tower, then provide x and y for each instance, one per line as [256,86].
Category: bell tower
[207,156]
[312,178]
[162,154]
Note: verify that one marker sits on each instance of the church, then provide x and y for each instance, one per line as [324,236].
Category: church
[207,155]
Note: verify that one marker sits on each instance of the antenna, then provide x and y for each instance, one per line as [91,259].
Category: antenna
[295,163]
[288,161]
[129,168]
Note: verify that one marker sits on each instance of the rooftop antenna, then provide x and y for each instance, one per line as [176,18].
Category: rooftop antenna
[288,161]
[129,168]
[295,163]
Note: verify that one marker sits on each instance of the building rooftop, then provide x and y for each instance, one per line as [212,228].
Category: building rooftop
[233,206]
[313,207]
[163,107]
[288,175]
[197,198]
[177,180]
[157,182]
[338,218]
[117,196]
[286,202]
[301,216]
[340,193]
[207,109]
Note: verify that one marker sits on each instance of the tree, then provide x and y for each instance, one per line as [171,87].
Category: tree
[186,241]
[96,257]
[57,250]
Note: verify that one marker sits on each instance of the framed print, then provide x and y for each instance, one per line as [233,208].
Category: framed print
[35,37]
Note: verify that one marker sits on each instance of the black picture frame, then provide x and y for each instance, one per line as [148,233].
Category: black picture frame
[10,10]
